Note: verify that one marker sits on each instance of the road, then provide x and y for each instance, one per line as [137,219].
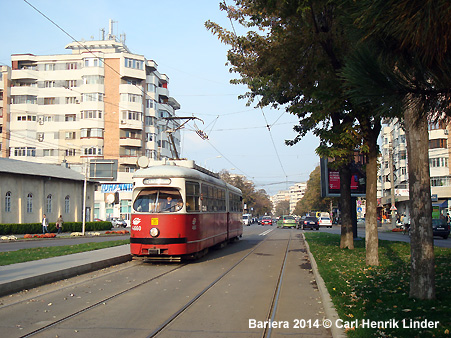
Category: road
[266,276]
[392,236]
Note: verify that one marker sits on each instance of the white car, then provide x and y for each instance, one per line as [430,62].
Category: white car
[325,222]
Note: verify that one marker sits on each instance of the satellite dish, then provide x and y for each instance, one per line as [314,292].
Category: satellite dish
[143,162]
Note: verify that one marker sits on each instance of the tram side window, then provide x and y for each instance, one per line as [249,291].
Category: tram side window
[158,200]
[235,204]
[192,196]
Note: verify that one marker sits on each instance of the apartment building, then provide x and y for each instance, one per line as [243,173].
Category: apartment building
[292,195]
[98,107]
[394,168]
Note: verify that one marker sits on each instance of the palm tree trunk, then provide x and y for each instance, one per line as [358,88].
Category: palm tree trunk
[422,274]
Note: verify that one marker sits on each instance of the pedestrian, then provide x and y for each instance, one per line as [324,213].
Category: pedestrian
[45,224]
[59,224]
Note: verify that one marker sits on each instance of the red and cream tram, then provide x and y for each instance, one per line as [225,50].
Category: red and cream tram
[180,210]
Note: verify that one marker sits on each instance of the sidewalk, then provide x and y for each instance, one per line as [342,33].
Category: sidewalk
[17,277]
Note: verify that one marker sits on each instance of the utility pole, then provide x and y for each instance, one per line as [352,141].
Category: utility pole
[83,227]
[392,185]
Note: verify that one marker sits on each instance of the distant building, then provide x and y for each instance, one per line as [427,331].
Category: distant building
[29,190]
[100,106]
[293,195]
[394,163]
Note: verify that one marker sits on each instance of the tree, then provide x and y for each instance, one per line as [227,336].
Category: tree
[258,201]
[409,77]
[295,62]
[312,200]
[283,208]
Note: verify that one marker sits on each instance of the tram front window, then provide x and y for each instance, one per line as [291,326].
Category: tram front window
[158,200]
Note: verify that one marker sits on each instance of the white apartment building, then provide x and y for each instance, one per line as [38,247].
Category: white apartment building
[297,191]
[293,195]
[100,106]
[394,155]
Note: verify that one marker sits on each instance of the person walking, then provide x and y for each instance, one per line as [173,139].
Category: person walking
[45,224]
[59,224]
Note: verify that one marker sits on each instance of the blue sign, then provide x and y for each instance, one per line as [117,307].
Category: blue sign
[117,187]
[359,209]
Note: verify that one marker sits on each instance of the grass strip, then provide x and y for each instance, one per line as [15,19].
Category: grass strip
[32,254]
[380,295]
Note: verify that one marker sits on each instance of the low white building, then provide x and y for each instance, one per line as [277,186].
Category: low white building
[28,190]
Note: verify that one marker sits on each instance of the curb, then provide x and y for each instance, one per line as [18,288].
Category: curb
[329,307]
[54,276]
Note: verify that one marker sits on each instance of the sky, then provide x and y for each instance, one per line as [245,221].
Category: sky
[172,33]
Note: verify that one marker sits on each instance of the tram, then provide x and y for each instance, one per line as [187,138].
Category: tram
[180,210]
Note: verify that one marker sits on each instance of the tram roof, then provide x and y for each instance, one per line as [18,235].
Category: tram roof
[181,169]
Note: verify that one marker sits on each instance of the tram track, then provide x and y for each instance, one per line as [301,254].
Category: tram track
[183,309]
[273,307]
[92,306]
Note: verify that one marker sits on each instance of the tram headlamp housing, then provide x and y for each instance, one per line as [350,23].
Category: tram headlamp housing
[154,232]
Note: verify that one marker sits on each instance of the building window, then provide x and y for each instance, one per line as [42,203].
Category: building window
[48,205]
[93,79]
[70,117]
[67,204]
[91,114]
[93,62]
[71,83]
[8,202]
[70,135]
[91,132]
[93,151]
[29,203]
[71,65]
[92,97]
[131,98]
[438,143]
[71,100]
[49,66]
[132,63]
[49,100]
[70,152]
[24,99]
[49,84]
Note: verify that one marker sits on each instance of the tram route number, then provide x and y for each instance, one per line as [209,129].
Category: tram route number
[284,324]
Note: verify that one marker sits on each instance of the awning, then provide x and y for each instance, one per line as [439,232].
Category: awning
[441,204]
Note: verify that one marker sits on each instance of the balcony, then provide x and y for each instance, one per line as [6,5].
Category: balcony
[130,142]
[24,73]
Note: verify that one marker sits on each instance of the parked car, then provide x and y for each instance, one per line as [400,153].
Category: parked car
[266,220]
[325,222]
[286,221]
[309,222]
[118,222]
[440,228]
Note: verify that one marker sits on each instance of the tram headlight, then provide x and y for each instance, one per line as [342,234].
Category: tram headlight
[154,232]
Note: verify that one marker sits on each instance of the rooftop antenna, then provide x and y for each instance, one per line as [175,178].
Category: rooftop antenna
[102,30]
[110,30]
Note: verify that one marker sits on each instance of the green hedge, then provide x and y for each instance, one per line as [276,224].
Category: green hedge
[36,228]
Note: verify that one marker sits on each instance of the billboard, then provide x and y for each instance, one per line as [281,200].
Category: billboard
[330,178]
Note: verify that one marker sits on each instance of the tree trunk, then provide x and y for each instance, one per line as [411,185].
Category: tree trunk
[371,235]
[422,273]
[347,237]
